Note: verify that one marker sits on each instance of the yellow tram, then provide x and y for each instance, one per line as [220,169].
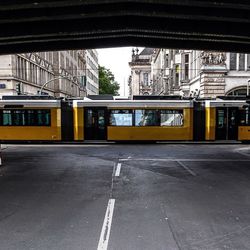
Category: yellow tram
[30,120]
[227,120]
[45,119]
[144,120]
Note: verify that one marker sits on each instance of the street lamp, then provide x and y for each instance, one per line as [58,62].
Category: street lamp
[51,80]
[57,78]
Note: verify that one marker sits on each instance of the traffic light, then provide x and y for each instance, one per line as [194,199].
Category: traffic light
[18,88]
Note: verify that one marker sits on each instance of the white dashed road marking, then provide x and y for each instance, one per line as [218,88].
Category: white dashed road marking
[118,169]
[105,233]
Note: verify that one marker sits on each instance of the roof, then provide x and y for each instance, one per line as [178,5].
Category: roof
[147,51]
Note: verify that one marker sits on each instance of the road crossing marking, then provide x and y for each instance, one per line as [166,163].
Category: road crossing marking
[186,168]
[243,151]
[105,233]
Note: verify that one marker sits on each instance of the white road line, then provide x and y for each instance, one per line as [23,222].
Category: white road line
[118,169]
[186,168]
[187,160]
[105,233]
[242,151]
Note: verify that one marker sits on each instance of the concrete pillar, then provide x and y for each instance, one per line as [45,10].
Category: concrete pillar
[212,75]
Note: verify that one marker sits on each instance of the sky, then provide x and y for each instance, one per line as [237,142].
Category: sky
[117,59]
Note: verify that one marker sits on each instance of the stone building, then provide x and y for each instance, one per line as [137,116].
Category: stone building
[155,72]
[57,73]
[140,79]
[92,72]
[165,71]
[211,74]
[194,73]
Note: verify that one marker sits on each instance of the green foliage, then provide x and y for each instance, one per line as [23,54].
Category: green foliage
[107,83]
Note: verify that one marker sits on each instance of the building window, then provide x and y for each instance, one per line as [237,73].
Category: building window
[145,79]
[21,65]
[167,60]
[186,67]
[177,71]
[241,62]
[121,117]
[238,92]
[233,57]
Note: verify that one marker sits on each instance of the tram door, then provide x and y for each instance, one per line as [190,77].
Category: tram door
[95,123]
[226,124]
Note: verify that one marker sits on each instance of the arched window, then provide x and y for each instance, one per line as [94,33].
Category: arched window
[242,91]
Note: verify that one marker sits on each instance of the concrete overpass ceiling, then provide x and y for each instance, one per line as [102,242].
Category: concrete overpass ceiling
[192,24]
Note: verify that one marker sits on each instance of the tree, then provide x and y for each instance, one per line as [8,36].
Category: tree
[107,83]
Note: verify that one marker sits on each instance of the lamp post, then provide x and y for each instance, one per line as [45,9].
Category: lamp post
[57,78]
[51,80]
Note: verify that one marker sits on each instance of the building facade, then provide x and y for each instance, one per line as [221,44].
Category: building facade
[57,73]
[140,82]
[92,72]
[211,74]
[193,73]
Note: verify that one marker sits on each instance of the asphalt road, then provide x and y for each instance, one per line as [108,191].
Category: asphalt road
[125,197]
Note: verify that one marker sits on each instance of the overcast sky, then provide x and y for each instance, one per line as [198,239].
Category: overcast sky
[117,59]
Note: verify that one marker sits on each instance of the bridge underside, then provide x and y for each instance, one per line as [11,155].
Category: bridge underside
[44,25]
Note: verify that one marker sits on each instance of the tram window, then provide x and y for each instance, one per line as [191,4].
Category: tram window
[245,117]
[26,117]
[18,118]
[146,117]
[221,119]
[30,118]
[172,118]
[101,119]
[121,117]
[7,121]
[43,117]
[89,118]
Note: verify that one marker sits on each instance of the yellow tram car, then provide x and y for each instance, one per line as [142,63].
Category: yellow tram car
[30,120]
[154,120]
[227,120]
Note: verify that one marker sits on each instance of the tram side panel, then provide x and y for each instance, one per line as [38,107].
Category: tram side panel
[244,133]
[210,123]
[128,127]
[154,133]
[78,118]
[244,124]
[49,131]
